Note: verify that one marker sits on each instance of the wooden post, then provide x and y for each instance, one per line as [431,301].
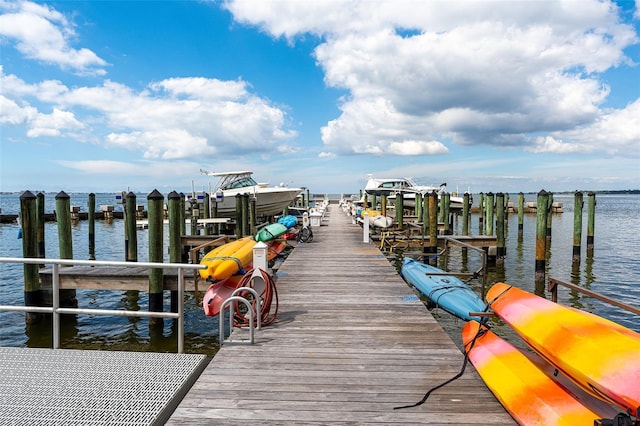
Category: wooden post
[245,214]
[465,214]
[183,225]
[591,219]
[28,221]
[206,207]
[549,216]
[40,237]
[500,245]
[489,214]
[91,216]
[130,224]
[238,216]
[418,205]
[446,203]
[383,205]
[481,213]
[155,210]
[441,217]
[432,248]
[195,214]
[253,213]
[578,203]
[214,214]
[506,206]
[175,249]
[520,215]
[541,239]
[425,214]
[400,210]
[65,241]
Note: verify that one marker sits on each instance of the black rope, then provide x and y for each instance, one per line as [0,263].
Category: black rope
[480,332]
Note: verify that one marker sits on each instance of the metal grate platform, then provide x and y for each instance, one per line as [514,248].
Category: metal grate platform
[76,387]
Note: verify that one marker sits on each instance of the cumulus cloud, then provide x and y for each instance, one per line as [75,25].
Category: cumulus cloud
[170,119]
[472,73]
[44,34]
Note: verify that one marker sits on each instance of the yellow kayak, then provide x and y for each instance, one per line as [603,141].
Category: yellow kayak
[600,356]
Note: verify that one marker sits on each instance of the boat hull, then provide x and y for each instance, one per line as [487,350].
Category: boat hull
[600,356]
[446,291]
[269,201]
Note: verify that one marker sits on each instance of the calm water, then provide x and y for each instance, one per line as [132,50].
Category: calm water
[613,270]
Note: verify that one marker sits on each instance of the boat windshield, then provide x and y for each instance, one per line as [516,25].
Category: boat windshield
[237,181]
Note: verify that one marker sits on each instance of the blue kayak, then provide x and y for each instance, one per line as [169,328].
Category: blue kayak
[446,291]
[289,221]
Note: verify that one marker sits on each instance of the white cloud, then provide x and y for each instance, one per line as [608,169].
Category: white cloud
[465,72]
[171,119]
[41,33]
[53,124]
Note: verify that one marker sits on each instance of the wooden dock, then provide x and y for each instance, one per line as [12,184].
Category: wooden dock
[352,342]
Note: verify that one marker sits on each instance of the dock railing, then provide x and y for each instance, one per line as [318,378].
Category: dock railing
[56,310]
[553,284]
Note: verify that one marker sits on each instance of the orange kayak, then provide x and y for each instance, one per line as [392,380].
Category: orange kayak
[600,356]
[531,396]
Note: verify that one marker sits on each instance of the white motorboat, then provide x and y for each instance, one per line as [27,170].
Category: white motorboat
[270,200]
[392,186]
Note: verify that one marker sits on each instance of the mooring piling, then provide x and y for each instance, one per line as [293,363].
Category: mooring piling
[489,209]
[591,219]
[541,238]
[500,245]
[155,202]
[32,294]
[578,203]
[520,215]
[131,243]
[91,216]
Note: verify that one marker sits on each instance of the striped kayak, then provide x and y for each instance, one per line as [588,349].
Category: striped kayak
[446,291]
[519,381]
[600,356]
[271,231]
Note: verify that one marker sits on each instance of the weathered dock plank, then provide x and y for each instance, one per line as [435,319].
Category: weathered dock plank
[351,343]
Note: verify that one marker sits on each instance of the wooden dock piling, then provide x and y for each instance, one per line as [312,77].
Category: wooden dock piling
[131,243]
[541,238]
[40,236]
[32,294]
[65,241]
[489,211]
[578,203]
[520,215]
[91,210]
[155,202]
[591,219]
[500,247]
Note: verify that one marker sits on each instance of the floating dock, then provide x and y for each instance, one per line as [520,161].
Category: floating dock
[352,341]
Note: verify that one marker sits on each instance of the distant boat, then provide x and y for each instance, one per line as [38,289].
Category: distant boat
[446,291]
[270,200]
[392,186]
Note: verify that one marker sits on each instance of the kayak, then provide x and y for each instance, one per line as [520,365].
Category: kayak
[228,259]
[271,231]
[446,291]
[600,356]
[289,221]
[519,382]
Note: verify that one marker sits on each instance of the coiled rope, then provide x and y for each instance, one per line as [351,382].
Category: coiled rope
[267,312]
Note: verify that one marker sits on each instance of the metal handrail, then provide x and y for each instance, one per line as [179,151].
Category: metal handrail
[56,310]
[553,289]
[483,255]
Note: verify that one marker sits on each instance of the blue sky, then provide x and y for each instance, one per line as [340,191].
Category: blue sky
[488,96]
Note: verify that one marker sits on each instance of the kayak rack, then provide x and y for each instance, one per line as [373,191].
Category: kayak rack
[247,304]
